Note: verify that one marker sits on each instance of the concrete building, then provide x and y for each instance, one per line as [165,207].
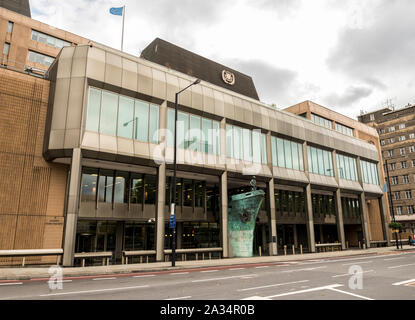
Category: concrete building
[94,170]
[397,137]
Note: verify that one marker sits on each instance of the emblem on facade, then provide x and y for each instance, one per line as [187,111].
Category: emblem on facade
[245,217]
[228,77]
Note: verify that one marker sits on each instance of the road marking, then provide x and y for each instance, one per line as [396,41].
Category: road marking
[178,273]
[263,267]
[92,291]
[349,259]
[255,298]
[11,284]
[401,266]
[393,259]
[348,274]
[99,279]
[305,291]
[349,264]
[236,269]
[209,271]
[60,281]
[273,285]
[226,278]
[307,269]
[180,298]
[145,276]
[351,294]
[403,282]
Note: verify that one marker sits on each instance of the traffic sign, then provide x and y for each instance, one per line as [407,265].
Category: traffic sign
[172,221]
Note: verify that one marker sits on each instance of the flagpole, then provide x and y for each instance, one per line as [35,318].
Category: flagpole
[123,22]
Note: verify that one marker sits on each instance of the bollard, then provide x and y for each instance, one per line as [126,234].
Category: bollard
[347,244]
[293,250]
[260,251]
[285,250]
[360,247]
[301,249]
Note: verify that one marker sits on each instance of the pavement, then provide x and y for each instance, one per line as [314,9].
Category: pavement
[41,273]
[375,274]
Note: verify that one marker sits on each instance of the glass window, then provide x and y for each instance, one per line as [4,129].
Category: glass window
[182,130]
[141,120]
[6,48]
[106,186]
[89,185]
[109,113]
[281,155]
[195,139]
[10,27]
[295,158]
[137,189]
[150,189]
[264,155]
[94,109]
[154,123]
[237,139]
[301,156]
[315,160]
[121,189]
[247,145]
[229,141]
[51,41]
[126,118]
[216,137]
[207,142]
[187,193]
[320,162]
[171,127]
[288,154]
[43,38]
[274,151]
[256,146]
[199,195]
[59,43]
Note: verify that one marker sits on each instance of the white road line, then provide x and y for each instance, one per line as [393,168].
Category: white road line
[61,281]
[307,269]
[349,264]
[348,274]
[273,285]
[178,273]
[263,267]
[236,269]
[11,284]
[209,271]
[99,279]
[145,276]
[248,276]
[403,282]
[255,298]
[305,291]
[349,259]
[180,298]
[92,291]
[401,266]
[393,259]
[351,294]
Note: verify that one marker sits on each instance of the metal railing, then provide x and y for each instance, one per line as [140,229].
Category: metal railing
[21,67]
[32,253]
[196,252]
[87,255]
[140,253]
[324,247]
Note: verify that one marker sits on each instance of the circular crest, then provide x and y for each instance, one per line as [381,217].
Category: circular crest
[228,77]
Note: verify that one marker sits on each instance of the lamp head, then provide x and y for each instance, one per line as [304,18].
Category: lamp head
[197,81]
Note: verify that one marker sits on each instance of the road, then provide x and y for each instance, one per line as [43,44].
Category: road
[387,276]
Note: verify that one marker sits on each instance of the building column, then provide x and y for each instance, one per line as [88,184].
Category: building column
[160,214]
[364,216]
[384,218]
[224,213]
[71,218]
[295,235]
[119,241]
[339,218]
[310,220]
[179,234]
[272,220]
[264,238]
[320,226]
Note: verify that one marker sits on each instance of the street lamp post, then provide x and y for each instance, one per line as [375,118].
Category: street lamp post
[173,195]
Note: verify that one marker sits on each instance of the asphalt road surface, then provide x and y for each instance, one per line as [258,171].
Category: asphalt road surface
[371,277]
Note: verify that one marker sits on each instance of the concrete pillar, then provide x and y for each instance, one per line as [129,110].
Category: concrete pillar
[179,235]
[272,220]
[264,238]
[224,213]
[321,233]
[160,214]
[295,235]
[310,220]
[364,216]
[339,218]
[71,218]
[385,221]
[119,241]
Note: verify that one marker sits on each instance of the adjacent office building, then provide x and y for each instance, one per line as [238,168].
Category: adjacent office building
[397,137]
[88,152]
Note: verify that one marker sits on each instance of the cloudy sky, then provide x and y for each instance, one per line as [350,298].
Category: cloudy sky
[348,55]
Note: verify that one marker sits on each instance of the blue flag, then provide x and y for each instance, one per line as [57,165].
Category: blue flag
[117,11]
[385,188]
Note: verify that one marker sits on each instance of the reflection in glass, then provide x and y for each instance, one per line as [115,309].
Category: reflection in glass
[89,185]
[126,118]
[150,187]
[94,106]
[137,189]
[106,186]
[109,113]
[141,120]
[154,123]
[121,190]
[187,193]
